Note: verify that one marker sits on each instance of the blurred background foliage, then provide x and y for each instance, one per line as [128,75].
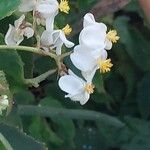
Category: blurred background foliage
[61,124]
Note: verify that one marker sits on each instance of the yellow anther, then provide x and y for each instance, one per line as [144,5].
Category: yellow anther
[105,65]
[89,88]
[67,29]
[64,6]
[112,36]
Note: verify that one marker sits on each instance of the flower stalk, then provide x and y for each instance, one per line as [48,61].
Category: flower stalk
[35,81]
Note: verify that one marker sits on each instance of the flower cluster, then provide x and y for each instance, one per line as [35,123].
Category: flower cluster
[4,103]
[89,56]
[44,13]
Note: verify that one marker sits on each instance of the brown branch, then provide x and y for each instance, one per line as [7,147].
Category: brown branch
[105,7]
[102,8]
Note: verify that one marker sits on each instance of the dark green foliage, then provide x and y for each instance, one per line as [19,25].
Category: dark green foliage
[117,116]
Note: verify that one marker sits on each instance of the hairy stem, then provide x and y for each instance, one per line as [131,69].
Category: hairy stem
[69,113]
[35,81]
[28,49]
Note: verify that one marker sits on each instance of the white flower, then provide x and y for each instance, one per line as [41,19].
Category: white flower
[86,60]
[94,35]
[15,34]
[77,88]
[44,9]
[4,103]
[55,39]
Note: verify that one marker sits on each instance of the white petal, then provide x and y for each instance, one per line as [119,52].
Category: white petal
[59,39]
[93,37]
[88,76]
[103,55]
[82,97]
[50,24]
[26,5]
[18,22]
[48,8]
[46,38]
[70,72]
[85,98]
[9,37]
[81,48]
[88,20]
[83,61]
[28,32]
[67,43]
[108,44]
[70,84]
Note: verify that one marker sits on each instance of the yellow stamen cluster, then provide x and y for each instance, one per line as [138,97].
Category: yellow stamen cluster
[89,88]
[64,6]
[105,65]
[67,29]
[112,36]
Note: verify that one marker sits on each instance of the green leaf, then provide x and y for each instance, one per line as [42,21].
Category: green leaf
[89,138]
[40,129]
[19,140]
[137,46]
[69,113]
[7,7]
[143,96]
[11,64]
[24,97]
[140,137]
[66,127]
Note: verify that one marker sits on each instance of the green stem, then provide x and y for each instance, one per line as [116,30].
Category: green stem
[65,55]
[69,113]
[28,49]
[5,142]
[35,81]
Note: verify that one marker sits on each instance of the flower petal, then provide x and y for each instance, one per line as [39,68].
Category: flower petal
[9,37]
[83,60]
[67,43]
[82,97]
[46,38]
[103,55]
[18,22]
[93,37]
[50,24]
[108,45]
[88,76]
[88,20]
[47,8]
[28,32]
[70,84]
[26,5]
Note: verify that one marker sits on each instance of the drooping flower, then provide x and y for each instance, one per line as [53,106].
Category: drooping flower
[86,60]
[77,88]
[15,34]
[4,103]
[54,39]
